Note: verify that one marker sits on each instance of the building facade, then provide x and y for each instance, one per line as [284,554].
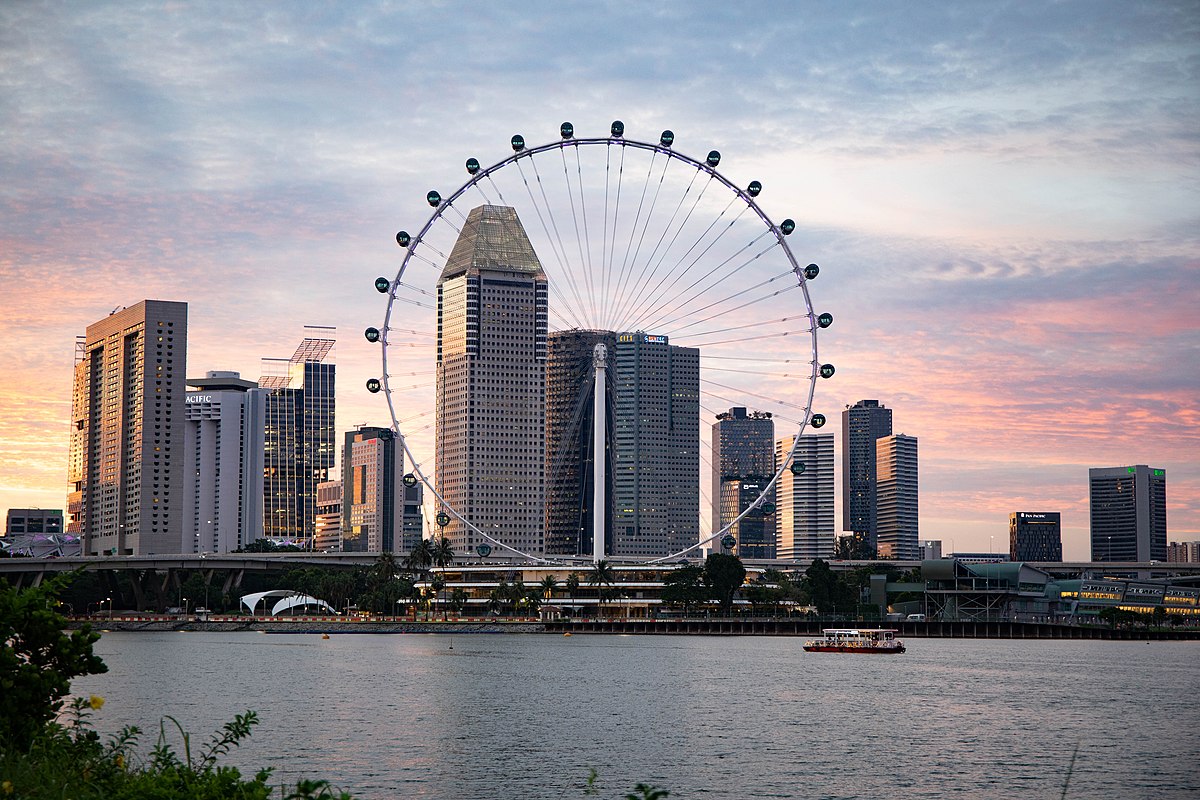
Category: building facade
[743,455]
[863,424]
[299,439]
[379,513]
[33,521]
[570,451]
[491,385]
[1128,513]
[126,458]
[1035,536]
[656,445]
[328,534]
[804,502]
[224,419]
[1183,552]
[897,521]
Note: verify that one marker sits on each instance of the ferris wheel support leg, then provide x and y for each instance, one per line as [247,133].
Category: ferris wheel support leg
[599,454]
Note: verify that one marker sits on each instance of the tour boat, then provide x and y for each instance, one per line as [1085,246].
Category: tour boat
[856,640]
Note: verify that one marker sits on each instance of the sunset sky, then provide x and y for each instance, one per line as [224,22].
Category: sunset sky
[1003,198]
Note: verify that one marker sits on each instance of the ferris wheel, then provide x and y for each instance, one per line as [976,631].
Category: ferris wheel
[637,241]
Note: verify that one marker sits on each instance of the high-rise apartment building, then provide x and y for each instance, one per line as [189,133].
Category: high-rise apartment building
[1128,513]
[656,445]
[491,384]
[743,456]
[299,441]
[1183,552]
[570,451]
[327,537]
[804,502]
[126,458]
[224,420]
[896,496]
[1035,536]
[379,513]
[863,424]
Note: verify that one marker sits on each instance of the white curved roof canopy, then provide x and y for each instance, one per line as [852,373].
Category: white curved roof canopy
[288,600]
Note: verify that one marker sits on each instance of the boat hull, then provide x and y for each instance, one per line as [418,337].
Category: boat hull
[831,648]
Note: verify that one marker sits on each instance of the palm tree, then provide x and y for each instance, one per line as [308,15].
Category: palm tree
[420,558]
[573,588]
[437,584]
[441,553]
[548,585]
[602,576]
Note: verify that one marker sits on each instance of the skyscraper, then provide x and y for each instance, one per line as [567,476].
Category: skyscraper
[126,451]
[379,513]
[743,459]
[1128,513]
[569,448]
[1035,536]
[300,445]
[656,445]
[491,384]
[896,497]
[224,421]
[804,513]
[862,425]
[327,537]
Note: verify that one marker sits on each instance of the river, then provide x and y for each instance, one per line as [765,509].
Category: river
[528,716]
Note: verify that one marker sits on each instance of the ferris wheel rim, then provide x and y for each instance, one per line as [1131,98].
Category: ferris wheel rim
[523,152]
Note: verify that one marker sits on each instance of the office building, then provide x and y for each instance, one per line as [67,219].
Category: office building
[126,458]
[1183,552]
[656,445]
[743,456]
[224,419]
[379,513]
[863,424]
[299,440]
[327,535]
[33,521]
[896,496]
[804,502]
[1035,536]
[491,385]
[930,549]
[570,450]
[1128,513]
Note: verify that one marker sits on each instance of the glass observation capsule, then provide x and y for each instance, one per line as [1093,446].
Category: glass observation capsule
[372,335]
[382,285]
[812,271]
[433,198]
[373,385]
[443,518]
[768,508]
[714,158]
[728,541]
[518,142]
[754,188]
[667,138]
[484,550]
[787,226]
[617,128]
[797,468]
[410,480]
[825,320]
[566,130]
[472,165]
[818,420]
[403,239]
[827,370]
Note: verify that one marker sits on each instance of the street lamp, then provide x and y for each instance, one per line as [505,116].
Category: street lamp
[110,609]
[185,607]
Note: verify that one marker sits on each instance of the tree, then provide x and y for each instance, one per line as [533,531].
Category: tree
[854,547]
[441,553]
[437,584]
[37,659]
[419,559]
[548,585]
[684,586]
[458,600]
[602,577]
[724,575]
[573,588]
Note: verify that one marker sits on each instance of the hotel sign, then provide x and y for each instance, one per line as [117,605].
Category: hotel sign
[198,398]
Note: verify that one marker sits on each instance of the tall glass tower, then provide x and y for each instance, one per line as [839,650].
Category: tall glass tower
[491,384]
[743,461]
[896,497]
[863,424]
[1128,513]
[299,439]
[804,514]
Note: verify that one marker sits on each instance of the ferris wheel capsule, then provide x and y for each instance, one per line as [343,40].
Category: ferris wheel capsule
[667,138]
[518,143]
[754,188]
[382,285]
[433,198]
[403,239]
[818,420]
[787,226]
[797,467]
[410,480]
[811,271]
[825,320]
[472,165]
[714,158]
[617,129]
[566,130]
[827,370]
[372,335]
[373,385]
[442,519]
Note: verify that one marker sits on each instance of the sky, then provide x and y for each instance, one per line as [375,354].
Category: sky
[1004,199]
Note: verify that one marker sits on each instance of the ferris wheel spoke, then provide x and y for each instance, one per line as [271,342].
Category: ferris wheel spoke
[579,240]
[768,398]
[555,240]
[747,290]
[747,304]
[626,265]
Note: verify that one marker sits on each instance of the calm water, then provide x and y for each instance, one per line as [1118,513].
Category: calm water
[523,716]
